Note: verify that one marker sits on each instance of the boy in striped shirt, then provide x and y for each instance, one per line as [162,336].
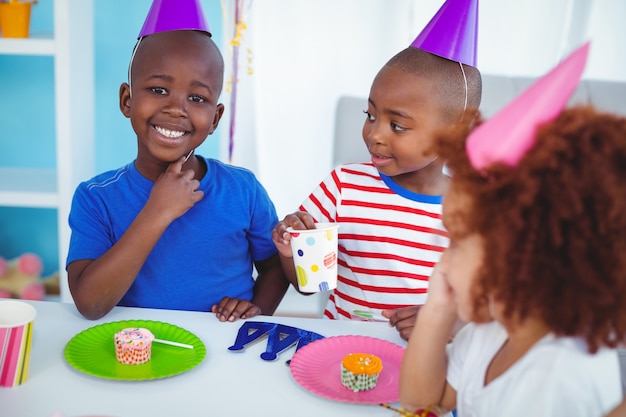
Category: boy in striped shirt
[389,209]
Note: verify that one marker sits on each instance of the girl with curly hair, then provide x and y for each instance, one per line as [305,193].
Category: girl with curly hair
[536,267]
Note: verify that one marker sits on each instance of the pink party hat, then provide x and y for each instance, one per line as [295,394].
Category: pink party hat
[452,33]
[166,15]
[510,133]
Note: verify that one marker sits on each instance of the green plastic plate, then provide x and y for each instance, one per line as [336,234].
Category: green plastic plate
[92,351]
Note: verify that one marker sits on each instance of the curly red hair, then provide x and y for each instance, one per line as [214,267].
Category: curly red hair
[554,226]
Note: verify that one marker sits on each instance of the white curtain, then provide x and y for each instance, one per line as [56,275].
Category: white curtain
[306,54]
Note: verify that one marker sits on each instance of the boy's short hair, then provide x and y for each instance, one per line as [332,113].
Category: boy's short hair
[446,74]
[211,44]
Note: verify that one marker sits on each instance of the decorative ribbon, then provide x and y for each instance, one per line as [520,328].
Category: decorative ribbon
[423,412]
[231,85]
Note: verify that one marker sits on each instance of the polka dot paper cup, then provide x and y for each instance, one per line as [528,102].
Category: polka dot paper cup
[16,333]
[315,257]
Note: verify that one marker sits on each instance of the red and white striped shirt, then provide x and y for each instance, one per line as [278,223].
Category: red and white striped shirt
[389,240]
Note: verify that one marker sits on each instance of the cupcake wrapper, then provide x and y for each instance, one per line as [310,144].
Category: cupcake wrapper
[360,382]
[133,356]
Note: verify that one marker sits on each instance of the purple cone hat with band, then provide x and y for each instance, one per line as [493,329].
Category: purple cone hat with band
[510,133]
[452,33]
[166,15]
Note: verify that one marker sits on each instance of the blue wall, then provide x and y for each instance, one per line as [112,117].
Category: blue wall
[27,118]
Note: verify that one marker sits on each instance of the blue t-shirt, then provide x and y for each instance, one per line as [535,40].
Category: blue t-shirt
[203,255]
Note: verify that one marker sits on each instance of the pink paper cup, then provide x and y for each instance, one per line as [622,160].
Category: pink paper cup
[315,257]
[16,334]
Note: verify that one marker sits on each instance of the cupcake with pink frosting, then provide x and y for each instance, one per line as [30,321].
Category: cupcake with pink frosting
[133,345]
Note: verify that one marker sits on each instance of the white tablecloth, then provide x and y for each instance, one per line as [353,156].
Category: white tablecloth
[225,383]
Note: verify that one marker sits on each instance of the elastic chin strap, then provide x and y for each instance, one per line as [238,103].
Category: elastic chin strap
[130,66]
[465,84]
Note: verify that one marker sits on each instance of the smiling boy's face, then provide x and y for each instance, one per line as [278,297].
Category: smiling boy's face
[176,80]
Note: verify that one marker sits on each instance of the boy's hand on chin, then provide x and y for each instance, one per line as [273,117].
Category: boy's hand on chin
[175,191]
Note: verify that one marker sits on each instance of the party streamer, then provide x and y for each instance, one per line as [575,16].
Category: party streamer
[240,9]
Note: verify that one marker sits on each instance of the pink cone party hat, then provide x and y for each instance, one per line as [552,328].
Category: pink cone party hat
[166,15]
[510,133]
[452,33]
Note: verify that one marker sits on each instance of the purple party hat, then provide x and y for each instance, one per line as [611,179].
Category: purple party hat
[452,33]
[510,133]
[166,15]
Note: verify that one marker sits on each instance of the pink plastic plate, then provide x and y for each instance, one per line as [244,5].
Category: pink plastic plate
[317,368]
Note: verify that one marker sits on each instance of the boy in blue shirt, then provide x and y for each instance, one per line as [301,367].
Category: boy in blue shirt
[172,229]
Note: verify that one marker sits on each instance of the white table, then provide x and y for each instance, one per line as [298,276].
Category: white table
[225,383]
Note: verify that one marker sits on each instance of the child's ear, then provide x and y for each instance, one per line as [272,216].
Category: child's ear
[219,112]
[125,99]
